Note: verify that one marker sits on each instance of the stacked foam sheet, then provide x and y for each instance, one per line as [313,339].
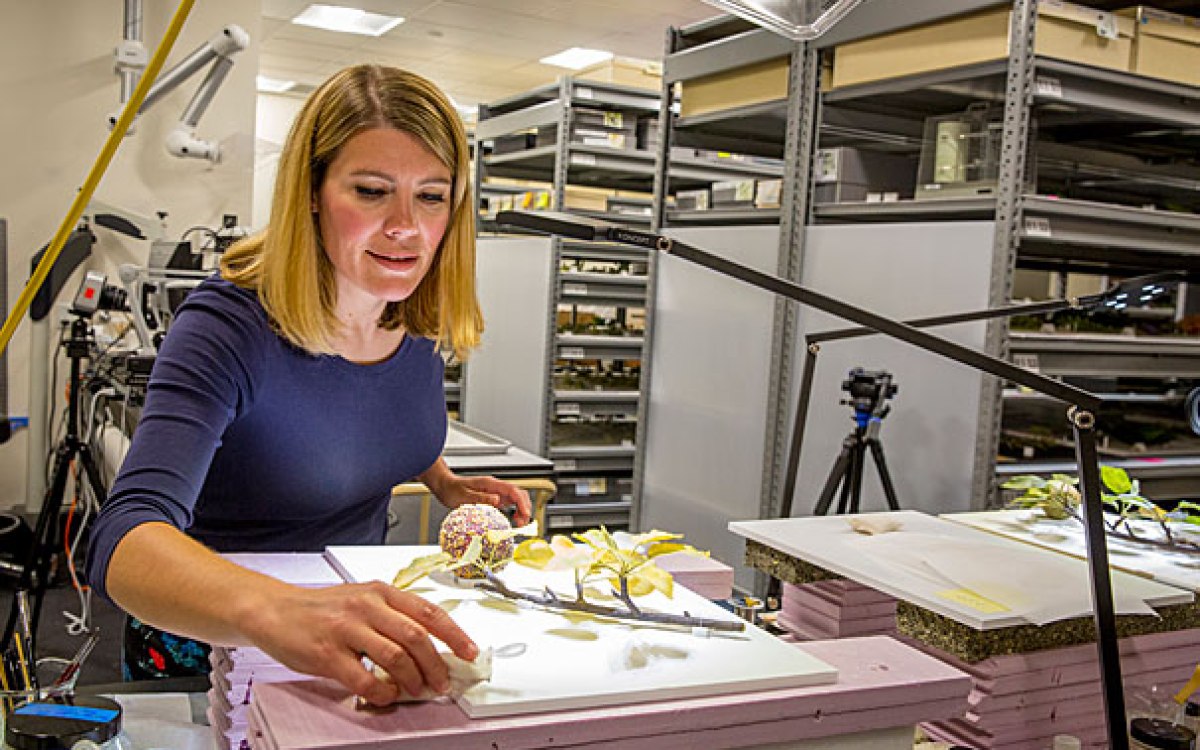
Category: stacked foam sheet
[883,689]
[1023,700]
[836,609]
[236,670]
[705,576]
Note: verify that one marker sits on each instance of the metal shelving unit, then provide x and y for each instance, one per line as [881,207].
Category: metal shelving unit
[1098,226]
[544,407]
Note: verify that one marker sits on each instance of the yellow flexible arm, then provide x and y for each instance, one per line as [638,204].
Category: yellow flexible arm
[93,179]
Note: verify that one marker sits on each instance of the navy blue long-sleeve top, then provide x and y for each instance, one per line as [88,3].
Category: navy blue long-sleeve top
[252,445]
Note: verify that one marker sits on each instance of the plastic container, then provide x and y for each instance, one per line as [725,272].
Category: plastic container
[1160,734]
[64,723]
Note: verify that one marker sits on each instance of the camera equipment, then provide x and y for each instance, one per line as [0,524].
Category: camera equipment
[95,293]
[869,391]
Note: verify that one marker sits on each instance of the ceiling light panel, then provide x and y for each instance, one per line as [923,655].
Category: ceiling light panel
[346,20]
[576,58]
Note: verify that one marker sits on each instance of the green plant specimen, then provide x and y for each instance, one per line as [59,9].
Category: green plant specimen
[1058,498]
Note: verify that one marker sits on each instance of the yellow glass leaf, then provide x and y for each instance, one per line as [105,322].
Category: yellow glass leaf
[495,536]
[533,553]
[421,567]
[574,558]
[470,555]
[655,577]
[638,586]
[639,540]
[598,538]
[666,548]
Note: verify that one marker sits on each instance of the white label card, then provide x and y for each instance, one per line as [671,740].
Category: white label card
[1048,87]
[1037,226]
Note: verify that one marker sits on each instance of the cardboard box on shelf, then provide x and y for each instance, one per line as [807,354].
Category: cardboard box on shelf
[1166,45]
[1065,31]
[751,84]
[625,71]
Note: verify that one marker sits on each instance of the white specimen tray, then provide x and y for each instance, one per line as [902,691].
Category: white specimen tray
[573,661]
[978,579]
[1173,567]
[465,440]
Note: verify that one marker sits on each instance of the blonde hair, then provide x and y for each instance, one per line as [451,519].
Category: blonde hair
[285,263]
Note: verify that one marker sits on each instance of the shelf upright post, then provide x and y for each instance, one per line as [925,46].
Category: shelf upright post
[799,147]
[562,168]
[1014,145]
[658,219]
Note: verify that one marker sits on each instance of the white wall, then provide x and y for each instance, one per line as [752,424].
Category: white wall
[57,85]
[275,114]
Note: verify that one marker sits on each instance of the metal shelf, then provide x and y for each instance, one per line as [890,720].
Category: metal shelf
[1102,356]
[603,251]
[1161,477]
[595,403]
[584,459]
[588,93]
[601,288]
[579,346]
[620,168]
[722,216]
[586,515]
[1082,233]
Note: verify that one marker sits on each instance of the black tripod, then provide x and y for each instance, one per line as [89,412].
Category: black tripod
[35,575]
[869,392]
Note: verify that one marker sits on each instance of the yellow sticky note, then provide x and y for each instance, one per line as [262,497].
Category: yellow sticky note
[973,600]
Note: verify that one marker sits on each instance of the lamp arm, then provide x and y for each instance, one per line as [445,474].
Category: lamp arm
[1082,413]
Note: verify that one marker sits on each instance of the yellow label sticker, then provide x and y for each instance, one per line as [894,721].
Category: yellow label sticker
[973,600]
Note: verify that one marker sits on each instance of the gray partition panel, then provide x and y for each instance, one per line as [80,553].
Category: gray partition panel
[708,390]
[903,271]
[506,378]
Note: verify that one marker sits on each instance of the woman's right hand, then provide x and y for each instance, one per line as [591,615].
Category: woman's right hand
[327,631]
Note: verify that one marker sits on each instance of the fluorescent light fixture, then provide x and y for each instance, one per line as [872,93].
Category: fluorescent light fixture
[798,20]
[270,85]
[347,20]
[577,57]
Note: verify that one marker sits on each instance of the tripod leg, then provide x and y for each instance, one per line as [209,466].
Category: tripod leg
[847,481]
[836,475]
[35,574]
[889,490]
[857,476]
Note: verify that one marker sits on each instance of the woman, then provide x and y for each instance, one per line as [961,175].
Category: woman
[293,392]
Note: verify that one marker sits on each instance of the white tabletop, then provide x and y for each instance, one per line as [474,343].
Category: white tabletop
[979,579]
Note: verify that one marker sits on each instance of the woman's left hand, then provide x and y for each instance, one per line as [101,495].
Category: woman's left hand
[458,490]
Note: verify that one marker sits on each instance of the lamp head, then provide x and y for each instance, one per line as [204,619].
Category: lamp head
[1137,291]
[798,20]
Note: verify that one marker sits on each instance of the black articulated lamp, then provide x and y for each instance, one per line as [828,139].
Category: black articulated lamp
[1135,291]
[1081,413]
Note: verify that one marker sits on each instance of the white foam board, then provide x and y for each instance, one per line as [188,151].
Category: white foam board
[572,661]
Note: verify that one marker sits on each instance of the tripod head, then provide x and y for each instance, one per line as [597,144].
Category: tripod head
[869,391]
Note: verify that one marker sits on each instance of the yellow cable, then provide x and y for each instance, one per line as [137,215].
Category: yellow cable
[93,179]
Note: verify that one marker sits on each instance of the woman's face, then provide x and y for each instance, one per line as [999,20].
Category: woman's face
[383,208]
